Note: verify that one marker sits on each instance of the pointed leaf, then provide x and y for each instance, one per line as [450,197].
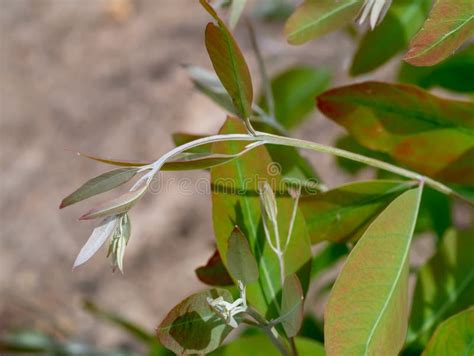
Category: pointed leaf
[402,21]
[214,272]
[235,201]
[367,311]
[294,91]
[119,205]
[316,18]
[260,345]
[114,162]
[192,326]
[450,23]
[100,234]
[445,285]
[344,213]
[229,64]
[240,261]
[292,305]
[100,184]
[431,135]
[454,336]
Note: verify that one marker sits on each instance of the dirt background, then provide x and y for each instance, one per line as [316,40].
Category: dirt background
[105,77]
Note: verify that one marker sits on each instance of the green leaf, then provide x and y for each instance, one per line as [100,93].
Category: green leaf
[192,326]
[208,83]
[235,201]
[98,185]
[229,64]
[344,213]
[327,257]
[316,18]
[292,305]
[214,272]
[294,91]
[180,138]
[367,311]
[450,23]
[260,345]
[432,135]
[119,205]
[445,285]
[454,336]
[402,21]
[455,73]
[240,261]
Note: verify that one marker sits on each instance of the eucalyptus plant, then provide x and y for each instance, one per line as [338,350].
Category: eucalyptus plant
[270,208]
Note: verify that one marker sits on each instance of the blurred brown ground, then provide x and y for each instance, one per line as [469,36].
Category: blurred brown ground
[105,78]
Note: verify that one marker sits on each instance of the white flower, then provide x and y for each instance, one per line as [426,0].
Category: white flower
[227,310]
[377,10]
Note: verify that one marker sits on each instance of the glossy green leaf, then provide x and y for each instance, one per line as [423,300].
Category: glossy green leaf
[344,213]
[214,272]
[192,326]
[294,91]
[316,18]
[454,336]
[235,201]
[445,285]
[119,205]
[98,185]
[367,311]
[240,261]
[456,73]
[402,21]
[450,23]
[260,345]
[229,64]
[208,83]
[429,134]
[292,305]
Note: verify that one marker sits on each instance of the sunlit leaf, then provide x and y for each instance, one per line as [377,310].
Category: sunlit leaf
[344,213]
[432,135]
[214,272]
[236,202]
[292,305]
[445,285]
[367,311]
[402,21]
[100,234]
[316,18]
[240,261]
[456,73]
[100,184]
[192,326]
[450,23]
[208,83]
[119,205]
[260,345]
[294,91]
[454,336]
[229,64]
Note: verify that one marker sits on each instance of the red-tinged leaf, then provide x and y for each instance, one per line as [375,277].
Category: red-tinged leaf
[367,311]
[114,162]
[344,213]
[229,64]
[431,135]
[214,272]
[240,261]
[292,305]
[449,25]
[316,18]
[235,201]
[119,205]
[454,336]
[192,326]
[98,185]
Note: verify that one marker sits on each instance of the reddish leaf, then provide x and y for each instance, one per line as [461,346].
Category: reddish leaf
[214,272]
